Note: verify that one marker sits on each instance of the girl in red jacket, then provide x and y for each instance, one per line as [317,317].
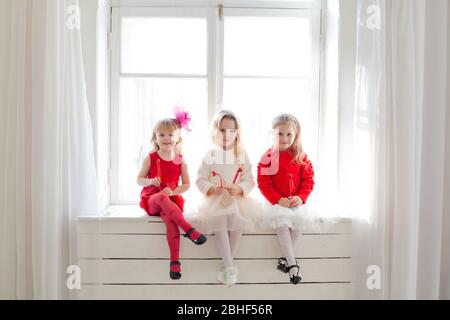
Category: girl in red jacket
[286,179]
[161,194]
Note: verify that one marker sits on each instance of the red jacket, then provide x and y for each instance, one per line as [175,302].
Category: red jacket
[284,178]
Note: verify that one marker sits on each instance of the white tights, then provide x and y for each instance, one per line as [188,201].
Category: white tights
[228,243]
[287,239]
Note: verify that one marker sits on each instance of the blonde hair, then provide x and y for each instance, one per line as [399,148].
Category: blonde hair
[172,125]
[218,118]
[297,148]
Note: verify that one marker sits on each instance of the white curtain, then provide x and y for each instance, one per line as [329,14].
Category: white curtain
[47,167]
[402,150]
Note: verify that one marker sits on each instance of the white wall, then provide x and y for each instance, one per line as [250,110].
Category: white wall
[445,263]
[103,115]
[4,52]
[338,90]
[88,9]
[347,63]
[347,72]
[95,18]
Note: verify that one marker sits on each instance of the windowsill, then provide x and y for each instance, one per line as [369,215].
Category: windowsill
[122,213]
[136,213]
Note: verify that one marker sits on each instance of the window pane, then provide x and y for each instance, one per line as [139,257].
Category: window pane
[164,45]
[143,102]
[257,102]
[267,46]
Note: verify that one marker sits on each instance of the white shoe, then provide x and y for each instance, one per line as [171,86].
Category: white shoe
[231,275]
[222,277]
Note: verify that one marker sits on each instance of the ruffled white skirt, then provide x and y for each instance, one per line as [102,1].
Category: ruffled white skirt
[240,214]
[300,218]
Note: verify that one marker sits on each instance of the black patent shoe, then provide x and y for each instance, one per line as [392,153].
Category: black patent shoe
[296,278]
[201,239]
[173,274]
[283,265]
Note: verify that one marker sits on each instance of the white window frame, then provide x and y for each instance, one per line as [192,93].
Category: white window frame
[275,4]
[315,15]
[116,73]
[215,56]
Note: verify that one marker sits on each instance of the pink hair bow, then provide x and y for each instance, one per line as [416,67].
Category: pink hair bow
[183,117]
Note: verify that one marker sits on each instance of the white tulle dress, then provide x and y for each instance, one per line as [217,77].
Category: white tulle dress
[225,212]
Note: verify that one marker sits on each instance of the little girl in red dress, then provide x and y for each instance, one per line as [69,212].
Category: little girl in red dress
[161,194]
[286,180]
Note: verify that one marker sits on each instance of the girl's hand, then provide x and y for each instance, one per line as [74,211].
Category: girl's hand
[154,182]
[216,191]
[284,202]
[168,191]
[295,201]
[235,190]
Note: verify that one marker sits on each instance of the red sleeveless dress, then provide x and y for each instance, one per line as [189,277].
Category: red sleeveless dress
[170,177]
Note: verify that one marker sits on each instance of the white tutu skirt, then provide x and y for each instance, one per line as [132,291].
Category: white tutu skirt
[240,214]
[299,218]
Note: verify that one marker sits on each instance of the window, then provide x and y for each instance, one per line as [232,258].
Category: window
[257,62]
[271,66]
[159,60]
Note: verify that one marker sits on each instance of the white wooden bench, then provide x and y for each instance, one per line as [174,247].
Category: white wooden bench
[126,257]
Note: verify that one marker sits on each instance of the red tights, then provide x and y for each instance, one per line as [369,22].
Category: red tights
[160,204]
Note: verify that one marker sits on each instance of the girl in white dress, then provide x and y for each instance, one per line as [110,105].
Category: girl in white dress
[225,179]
